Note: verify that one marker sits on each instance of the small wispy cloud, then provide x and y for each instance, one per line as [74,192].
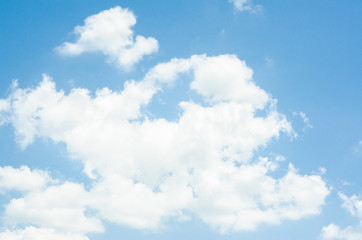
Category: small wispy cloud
[246,5]
[269,62]
[358,147]
[305,119]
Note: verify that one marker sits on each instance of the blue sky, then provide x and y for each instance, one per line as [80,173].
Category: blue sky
[180,119]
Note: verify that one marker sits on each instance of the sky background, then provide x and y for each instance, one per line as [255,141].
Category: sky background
[306,54]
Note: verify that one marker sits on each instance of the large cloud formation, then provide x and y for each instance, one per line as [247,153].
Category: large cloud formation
[146,170]
[110,32]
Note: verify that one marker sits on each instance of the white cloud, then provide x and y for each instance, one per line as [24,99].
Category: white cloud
[110,32]
[45,202]
[242,198]
[333,232]
[33,233]
[145,171]
[22,179]
[245,5]
[352,204]
[236,84]
[61,207]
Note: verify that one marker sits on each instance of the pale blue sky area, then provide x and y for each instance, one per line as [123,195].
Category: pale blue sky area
[306,54]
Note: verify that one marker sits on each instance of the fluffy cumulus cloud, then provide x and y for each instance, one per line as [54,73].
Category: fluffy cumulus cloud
[333,232]
[146,170]
[110,32]
[245,5]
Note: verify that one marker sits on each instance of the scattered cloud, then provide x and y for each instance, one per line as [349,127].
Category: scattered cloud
[145,171]
[245,5]
[110,32]
[269,62]
[322,170]
[305,119]
[279,158]
[333,232]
